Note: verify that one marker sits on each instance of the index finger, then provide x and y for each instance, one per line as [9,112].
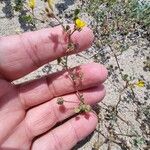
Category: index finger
[22,54]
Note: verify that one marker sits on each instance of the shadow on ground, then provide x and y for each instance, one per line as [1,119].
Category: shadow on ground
[8,9]
[61,7]
[83,142]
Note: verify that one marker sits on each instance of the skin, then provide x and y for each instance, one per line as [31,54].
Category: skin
[30,117]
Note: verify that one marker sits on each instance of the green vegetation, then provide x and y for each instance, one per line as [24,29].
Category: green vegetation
[118,25]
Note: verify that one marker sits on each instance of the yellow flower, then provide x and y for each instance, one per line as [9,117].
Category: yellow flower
[140,83]
[50,4]
[31,4]
[79,23]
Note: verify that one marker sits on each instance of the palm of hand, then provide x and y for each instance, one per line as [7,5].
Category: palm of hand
[29,112]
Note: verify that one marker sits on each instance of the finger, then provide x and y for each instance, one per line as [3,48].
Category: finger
[58,84]
[17,140]
[21,54]
[43,117]
[4,87]
[66,136]
[11,112]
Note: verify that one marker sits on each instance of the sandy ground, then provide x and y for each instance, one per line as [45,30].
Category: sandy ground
[131,61]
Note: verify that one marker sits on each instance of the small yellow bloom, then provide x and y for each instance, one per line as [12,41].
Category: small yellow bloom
[50,4]
[140,83]
[79,23]
[31,4]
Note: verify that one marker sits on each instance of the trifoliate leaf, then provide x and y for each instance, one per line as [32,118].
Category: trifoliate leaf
[60,101]
[77,110]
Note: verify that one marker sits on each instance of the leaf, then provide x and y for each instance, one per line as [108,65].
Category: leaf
[76,12]
[77,110]
[67,27]
[125,77]
[18,5]
[59,60]
[88,108]
[60,101]
[27,18]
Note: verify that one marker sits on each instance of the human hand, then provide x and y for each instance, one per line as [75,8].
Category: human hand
[29,112]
